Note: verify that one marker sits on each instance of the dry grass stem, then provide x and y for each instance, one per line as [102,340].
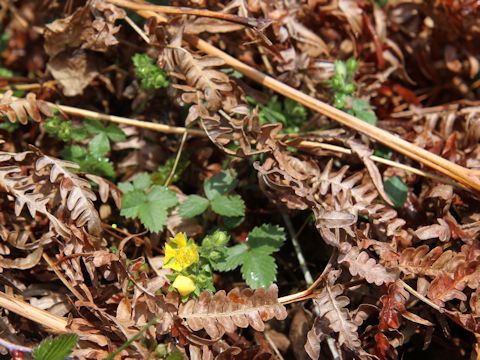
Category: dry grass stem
[53,323]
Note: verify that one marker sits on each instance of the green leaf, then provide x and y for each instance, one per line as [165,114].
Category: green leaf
[125,187]
[151,209]
[79,134]
[151,76]
[142,181]
[131,202]
[219,184]
[266,238]
[232,222]
[163,172]
[228,205]
[363,111]
[396,190]
[164,195]
[6,73]
[74,153]
[57,348]
[97,165]
[99,145]
[384,152]
[236,256]
[153,215]
[193,206]
[93,126]
[258,269]
[112,131]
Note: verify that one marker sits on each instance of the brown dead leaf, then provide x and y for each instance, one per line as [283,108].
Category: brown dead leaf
[25,263]
[74,70]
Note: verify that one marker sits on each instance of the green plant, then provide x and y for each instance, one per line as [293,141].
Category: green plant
[6,73]
[92,158]
[57,348]
[254,257]
[218,197]
[160,176]
[343,85]
[194,265]
[288,112]
[149,203]
[150,75]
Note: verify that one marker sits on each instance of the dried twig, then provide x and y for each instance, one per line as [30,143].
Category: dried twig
[55,324]
[250,22]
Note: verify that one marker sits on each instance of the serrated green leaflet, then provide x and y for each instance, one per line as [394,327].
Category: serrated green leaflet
[151,208]
[228,205]
[219,184]
[257,264]
[235,257]
[112,131]
[258,269]
[193,206]
[57,348]
[142,181]
[266,238]
[99,145]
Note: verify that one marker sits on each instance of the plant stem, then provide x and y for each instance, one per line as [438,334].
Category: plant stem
[132,339]
[177,160]
[52,322]
[298,250]
[250,22]
[420,296]
[61,277]
[14,347]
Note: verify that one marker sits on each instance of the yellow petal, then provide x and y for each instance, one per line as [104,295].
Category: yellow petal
[180,240]
[169,253]
[184,285]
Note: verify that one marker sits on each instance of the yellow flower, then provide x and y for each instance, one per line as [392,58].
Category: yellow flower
[180,253]
[184,285]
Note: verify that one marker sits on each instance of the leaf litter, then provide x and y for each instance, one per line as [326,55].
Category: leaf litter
[88,209]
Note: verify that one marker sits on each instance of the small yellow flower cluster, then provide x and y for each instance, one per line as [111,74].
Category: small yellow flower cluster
[180,254]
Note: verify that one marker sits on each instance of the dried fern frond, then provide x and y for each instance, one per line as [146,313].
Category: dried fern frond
[26,193]
[217,101]
[75,191]
[361,264]
[199,74]
[21,109]
[39,182]
[319,331]
[224,312]
[332,306]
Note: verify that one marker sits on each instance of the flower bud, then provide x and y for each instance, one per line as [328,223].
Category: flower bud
[184,285]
